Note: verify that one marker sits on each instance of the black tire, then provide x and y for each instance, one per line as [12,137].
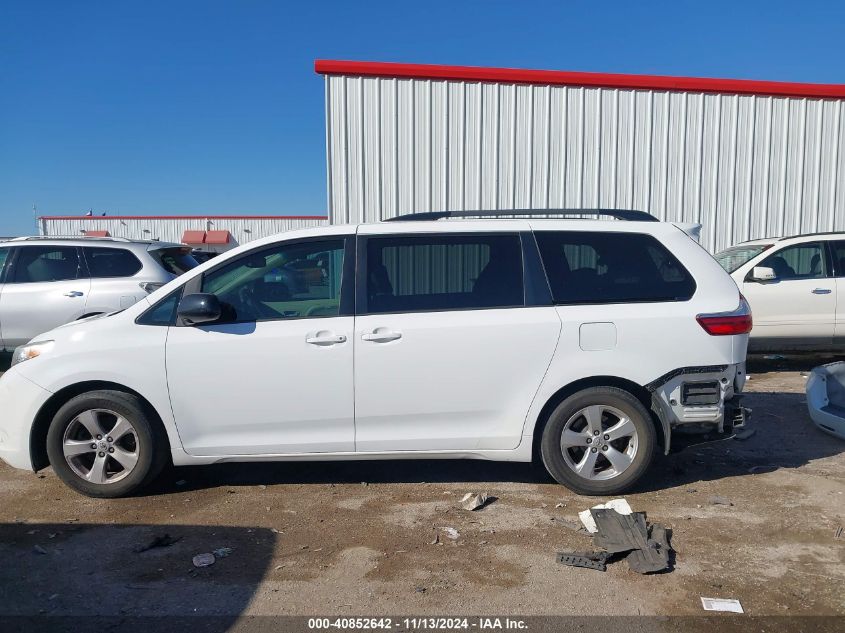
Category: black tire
[552,452]
[148,443]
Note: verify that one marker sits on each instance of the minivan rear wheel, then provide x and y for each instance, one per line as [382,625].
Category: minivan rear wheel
[105,444]
[599,441]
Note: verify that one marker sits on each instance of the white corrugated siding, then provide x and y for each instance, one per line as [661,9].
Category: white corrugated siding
[171,229]
[744,166]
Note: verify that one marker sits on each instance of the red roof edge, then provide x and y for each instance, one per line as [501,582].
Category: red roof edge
[593,80]
[184,217]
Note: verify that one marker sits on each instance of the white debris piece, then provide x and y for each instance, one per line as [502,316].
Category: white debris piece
[451,533]
[720,604]
[620,505]
[473,501]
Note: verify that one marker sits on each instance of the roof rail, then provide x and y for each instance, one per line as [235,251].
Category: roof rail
[619,214]
[28,238]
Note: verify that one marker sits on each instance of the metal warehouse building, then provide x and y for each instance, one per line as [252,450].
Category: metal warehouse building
[747,159]
[214,233]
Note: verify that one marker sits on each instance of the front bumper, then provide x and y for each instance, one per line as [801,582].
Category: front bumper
[20,401]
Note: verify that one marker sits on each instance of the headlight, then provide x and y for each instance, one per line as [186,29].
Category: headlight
[30,351]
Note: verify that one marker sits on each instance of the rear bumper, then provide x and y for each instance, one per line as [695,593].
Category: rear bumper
[20,401]
[827,415]
[699,399]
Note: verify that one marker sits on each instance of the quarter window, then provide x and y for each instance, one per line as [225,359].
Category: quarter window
[585,267]
[111,262]
[801,261]
[283,282]
[47,263]
[443,272]
[4,255]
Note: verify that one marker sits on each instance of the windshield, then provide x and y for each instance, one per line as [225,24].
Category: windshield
[176,261]
[732,258]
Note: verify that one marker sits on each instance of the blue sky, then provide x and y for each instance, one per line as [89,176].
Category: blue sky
[213,107]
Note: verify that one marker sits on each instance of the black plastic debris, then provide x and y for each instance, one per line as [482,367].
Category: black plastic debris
[655,557]
[589,560]
[648,546]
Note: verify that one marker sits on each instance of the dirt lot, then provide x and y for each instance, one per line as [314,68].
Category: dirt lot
[357,538]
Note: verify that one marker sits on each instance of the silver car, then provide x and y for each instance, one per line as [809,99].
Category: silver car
[46,282]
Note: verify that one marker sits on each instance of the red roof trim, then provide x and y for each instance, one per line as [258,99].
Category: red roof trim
[184,217]
[597,80]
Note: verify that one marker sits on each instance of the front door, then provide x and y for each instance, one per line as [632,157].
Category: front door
[46,286]
[447,355]
[274,376]
[798,308]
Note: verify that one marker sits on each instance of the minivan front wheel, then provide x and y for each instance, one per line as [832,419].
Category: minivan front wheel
[598,441]
[104,444]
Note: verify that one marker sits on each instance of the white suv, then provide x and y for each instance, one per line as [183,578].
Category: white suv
[579,343]
[796,288]
[48,281]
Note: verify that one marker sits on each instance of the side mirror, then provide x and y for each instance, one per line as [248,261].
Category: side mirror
[199,308]
[763,273]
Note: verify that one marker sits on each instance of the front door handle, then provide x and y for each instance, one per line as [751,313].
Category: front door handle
[74,293]
[325,338]
[821,291]
[382,335]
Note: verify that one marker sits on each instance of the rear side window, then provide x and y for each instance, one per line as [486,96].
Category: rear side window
[443,272]
[176,261]
[586,267]
[111,262]
[838,257]
[4,255]
[47,263]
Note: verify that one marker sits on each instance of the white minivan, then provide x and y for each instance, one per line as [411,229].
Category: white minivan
[581,344]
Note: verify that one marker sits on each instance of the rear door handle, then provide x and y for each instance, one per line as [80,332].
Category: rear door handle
[74,293]
[380,335]
[325,338]
[821,291]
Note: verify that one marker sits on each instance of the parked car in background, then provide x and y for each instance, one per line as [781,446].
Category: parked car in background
[45,282]
[580,344]
[796,288]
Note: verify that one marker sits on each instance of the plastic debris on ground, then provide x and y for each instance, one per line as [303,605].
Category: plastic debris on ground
[719,604]
[475,501]
[620,505]
[646,547]
[222,552]
[589,560]
[203,560]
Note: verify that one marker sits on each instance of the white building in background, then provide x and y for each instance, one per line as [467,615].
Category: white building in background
[747,159]
[213,233]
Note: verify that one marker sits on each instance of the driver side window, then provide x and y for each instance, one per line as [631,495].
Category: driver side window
[285,281]
[802,261]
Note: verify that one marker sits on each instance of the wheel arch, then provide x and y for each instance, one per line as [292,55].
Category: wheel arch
[45,415]
[638,391]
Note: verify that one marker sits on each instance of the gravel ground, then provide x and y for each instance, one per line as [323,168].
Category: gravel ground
[358,537]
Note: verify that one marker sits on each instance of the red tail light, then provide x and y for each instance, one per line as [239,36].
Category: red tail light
[728,323]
